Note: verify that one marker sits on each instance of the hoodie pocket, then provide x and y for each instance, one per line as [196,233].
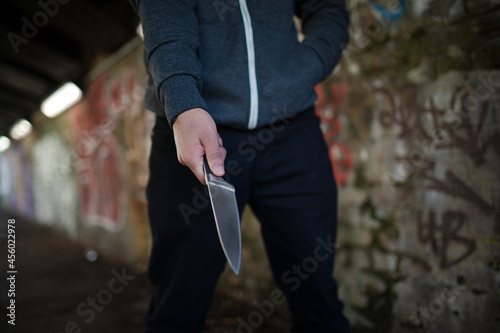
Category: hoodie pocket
[288,76]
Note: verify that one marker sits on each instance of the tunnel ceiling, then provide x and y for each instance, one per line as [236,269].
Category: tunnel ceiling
[48,42]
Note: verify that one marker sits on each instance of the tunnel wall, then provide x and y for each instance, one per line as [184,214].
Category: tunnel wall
[85,171]
[411,117]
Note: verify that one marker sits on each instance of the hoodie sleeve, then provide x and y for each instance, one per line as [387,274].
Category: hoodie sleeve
[324,24]
[171,43]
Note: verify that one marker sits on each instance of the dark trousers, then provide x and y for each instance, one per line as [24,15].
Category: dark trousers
[284,173]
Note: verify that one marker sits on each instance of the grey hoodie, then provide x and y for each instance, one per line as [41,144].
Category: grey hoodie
[240,60]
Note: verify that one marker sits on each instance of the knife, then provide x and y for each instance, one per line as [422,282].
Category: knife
[227,217]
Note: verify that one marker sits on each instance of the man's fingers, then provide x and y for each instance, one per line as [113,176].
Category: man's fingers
[211,144]
[195,135]
[194,161]
[216,162]
[180,159]
[223,152]
[199,173]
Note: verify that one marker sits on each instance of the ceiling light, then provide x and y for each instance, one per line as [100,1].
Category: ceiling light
[4,143]
[61,100]
[20,129]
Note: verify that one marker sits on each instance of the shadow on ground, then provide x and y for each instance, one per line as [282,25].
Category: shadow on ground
[59,290]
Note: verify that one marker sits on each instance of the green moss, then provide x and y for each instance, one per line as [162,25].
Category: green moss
[380,303]
[360,180]
[387,224]
[419,32]
[379,308]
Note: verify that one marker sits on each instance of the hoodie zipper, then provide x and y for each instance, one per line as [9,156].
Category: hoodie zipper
[254,97]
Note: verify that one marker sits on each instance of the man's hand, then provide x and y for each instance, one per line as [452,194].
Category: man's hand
[195,135]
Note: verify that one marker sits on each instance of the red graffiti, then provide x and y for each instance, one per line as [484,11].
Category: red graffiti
[328,112]
[98,161]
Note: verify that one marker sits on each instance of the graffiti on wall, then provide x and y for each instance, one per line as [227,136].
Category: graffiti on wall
[457,126]
[100,165]
[428,223]
[392,15]
[16,184]
[329,112]
[426,196]
[111,129]
[442,235]
[89,165]
[55,194]
[442,128]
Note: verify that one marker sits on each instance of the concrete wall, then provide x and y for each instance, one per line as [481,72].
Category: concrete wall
[85,171]
[412,119]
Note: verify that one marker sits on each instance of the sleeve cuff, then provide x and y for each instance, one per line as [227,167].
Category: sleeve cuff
[178,94]
[328,56]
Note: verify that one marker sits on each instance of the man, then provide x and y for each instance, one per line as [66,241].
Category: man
[231,81]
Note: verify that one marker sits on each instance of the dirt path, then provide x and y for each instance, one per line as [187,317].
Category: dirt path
[59,290]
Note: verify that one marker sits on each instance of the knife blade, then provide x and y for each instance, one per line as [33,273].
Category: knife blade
[226,214]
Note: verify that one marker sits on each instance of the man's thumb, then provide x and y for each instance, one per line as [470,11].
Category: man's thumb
[215,160]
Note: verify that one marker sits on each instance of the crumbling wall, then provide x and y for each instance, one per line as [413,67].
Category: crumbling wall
[85,172]
[412,119]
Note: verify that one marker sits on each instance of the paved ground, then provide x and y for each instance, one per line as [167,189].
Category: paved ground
[55,283]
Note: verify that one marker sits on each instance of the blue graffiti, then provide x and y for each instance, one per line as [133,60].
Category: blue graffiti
[393,17]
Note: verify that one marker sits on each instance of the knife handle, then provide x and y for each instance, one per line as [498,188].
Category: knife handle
[209,175]
[213,179]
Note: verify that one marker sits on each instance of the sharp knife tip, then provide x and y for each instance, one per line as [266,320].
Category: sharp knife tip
[236,270]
